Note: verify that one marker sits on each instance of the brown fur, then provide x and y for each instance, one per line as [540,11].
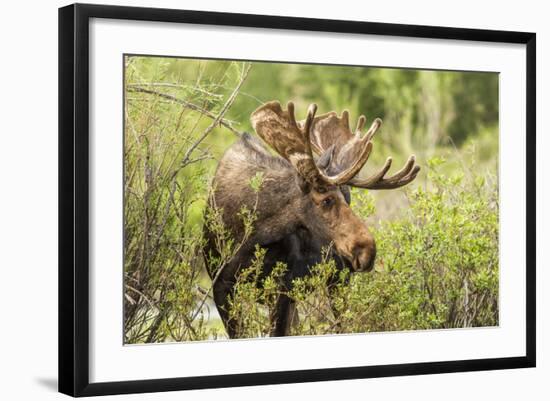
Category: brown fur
[301,206]
[286,205]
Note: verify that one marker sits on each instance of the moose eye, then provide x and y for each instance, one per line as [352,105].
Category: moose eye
[327,202]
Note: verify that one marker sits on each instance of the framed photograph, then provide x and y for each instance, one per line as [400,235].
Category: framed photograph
[250,199]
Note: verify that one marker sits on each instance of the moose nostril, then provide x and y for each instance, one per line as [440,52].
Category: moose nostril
[364,256]
[370,263]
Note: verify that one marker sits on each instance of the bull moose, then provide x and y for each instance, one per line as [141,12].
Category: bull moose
[303,205]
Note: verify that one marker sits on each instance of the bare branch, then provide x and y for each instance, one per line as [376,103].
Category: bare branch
[188,105]
[219,118]
[177,86]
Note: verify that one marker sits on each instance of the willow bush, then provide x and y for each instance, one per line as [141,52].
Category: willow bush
[167,165]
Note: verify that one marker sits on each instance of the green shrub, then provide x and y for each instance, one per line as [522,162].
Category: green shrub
[437,266]
[168,164]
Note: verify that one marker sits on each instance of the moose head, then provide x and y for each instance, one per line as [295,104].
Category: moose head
[324,182]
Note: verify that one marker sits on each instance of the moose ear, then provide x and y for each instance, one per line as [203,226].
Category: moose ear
[326,158]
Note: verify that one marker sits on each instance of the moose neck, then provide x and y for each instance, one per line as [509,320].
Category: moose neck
[280,206]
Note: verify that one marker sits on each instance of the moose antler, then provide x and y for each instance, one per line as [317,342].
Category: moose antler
[330,130]
[279,129]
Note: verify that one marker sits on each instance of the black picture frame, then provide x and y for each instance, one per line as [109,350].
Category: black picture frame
[74,198]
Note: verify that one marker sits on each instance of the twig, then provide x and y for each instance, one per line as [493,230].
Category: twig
[189,105]
[219,117]
[177,86]
[151,304]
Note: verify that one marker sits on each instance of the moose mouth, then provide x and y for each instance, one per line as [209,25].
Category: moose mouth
[363,258]
[360,267]
[358,263]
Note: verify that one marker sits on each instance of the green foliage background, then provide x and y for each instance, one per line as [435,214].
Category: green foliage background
[437,264]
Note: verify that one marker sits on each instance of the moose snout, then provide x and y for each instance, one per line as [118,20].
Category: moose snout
[363,256]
